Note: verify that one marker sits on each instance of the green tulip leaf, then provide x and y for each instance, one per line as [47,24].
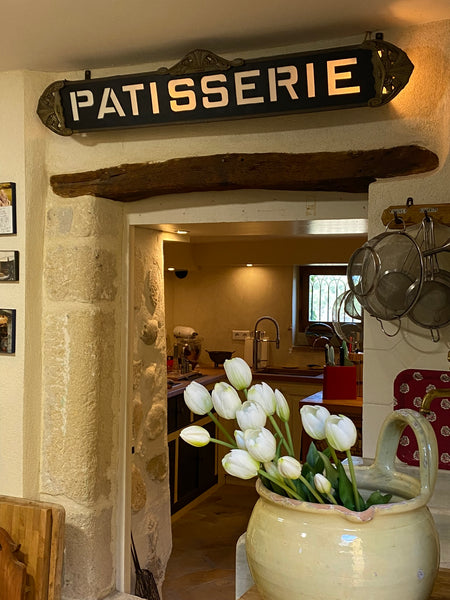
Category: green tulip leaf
[378,498]
[314,460]
[330,471]
[345,489]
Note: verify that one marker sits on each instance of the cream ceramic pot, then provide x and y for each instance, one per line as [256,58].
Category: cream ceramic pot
[305,551]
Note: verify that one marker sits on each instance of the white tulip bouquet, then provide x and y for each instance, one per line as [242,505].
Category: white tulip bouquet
[257,452]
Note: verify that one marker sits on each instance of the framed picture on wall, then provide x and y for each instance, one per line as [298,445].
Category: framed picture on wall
[9,265]
[7,208]
[7,331]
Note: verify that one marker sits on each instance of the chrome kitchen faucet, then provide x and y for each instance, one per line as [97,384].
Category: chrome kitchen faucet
[257,338]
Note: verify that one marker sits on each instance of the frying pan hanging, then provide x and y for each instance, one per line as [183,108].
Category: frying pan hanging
[386,274]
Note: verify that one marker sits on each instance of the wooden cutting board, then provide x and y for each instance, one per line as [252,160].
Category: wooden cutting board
[38,527]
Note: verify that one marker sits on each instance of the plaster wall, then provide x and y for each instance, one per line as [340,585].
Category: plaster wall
[66,385]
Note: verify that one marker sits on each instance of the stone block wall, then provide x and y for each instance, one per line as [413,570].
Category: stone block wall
[150,499]
[81,352]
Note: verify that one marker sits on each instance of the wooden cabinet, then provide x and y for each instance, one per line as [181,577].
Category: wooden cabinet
[192,471]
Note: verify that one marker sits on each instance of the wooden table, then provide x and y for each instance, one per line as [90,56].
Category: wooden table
[441,590]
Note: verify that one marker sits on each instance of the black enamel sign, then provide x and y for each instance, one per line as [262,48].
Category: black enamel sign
[205,87]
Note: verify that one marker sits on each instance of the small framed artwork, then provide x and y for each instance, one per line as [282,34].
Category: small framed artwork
[7,331]
[9,265]
[7,208]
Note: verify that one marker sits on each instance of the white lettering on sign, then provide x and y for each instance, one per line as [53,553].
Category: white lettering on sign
[310,80]
[132,89]
[105,109]
[76,103]
[179,94]
[154,97]
[333,77]
[288,83]
[221,91]
[242,87]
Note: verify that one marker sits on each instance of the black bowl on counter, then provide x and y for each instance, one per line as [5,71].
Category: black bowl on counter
[219,356]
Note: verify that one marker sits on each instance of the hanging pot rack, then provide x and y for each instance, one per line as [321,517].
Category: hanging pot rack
[410,214]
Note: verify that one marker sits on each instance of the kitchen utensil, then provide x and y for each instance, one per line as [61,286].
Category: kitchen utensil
[318,330]
[386,274]
[219,356]
[348,327]
[432,309]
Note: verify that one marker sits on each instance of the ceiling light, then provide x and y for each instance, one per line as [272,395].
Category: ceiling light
[171,269]
[249,265]
[182,231]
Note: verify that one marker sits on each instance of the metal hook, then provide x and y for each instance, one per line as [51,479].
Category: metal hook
[383,329]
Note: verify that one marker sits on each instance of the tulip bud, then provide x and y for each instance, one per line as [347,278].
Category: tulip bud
[282,406]
[323,485]
[313,420]
[197,398]
[272,470]
[239,437]
[226,400]
[261,444]
[340,432]
[240,464]
[195,436]
[289,467]
[238,373]
[262,394]
[250,416]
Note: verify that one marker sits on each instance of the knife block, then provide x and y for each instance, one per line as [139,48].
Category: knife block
[339,383]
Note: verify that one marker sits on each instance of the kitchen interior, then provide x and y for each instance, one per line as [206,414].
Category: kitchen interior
[230,291]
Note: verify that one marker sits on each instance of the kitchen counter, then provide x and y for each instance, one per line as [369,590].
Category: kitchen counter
[208,376]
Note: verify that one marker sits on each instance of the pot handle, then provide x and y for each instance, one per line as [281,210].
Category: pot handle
[389,438]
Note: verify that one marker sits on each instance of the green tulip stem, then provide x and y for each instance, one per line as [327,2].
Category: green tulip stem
[222,443]
[280,484]
[353,478]
[289,437]
[331,498]
[334,455]
[282,438]
[311,489]
[222,428]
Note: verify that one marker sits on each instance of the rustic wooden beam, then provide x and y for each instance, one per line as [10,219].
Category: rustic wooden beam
[350,171]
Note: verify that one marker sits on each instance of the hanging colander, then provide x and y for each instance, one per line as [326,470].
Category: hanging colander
[432,309]
[386,274]
[347,318]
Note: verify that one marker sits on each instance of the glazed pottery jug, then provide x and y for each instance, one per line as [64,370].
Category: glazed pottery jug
[306,551]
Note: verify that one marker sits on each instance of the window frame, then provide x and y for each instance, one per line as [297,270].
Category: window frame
[300,296]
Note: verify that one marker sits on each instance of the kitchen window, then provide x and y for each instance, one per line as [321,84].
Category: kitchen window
[314,291]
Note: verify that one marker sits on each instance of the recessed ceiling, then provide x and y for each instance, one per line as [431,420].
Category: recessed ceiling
[250,231]
[66,35]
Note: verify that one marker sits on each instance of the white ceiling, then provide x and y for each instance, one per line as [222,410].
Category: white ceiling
[64,35]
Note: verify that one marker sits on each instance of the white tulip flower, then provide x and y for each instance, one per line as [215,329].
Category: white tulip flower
[195,436]
[250,416]
[261,444]
[313,420]
[239,437]
[238,373]
[263,394]
[272,470]
[340,432]
[197,398]
[282,407]
[240,464]
[289,467]
[323,485]
[226,400]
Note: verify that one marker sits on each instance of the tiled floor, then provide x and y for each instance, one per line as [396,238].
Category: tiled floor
[202,564]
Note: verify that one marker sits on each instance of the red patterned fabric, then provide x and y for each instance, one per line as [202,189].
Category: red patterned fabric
[410,387]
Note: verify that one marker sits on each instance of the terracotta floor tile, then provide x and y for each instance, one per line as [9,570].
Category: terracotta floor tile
[202,564]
